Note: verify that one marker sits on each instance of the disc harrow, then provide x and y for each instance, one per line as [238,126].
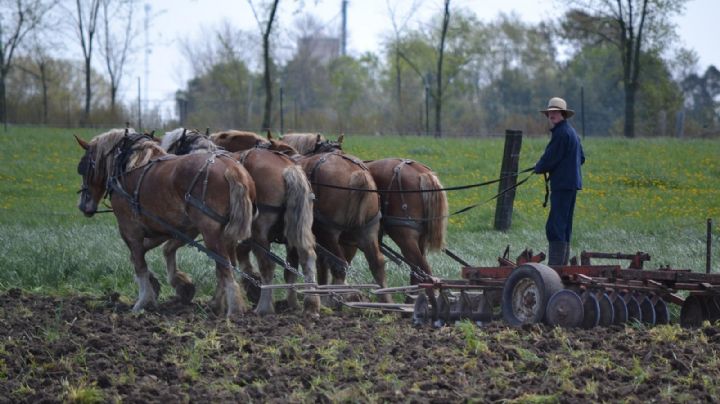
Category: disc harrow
[583,294]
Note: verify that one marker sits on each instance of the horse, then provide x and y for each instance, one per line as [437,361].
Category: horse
[344,221]
[157,198]
[236,140]
[416,219]
[284,201]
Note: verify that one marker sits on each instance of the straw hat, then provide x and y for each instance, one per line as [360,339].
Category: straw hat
[558,104]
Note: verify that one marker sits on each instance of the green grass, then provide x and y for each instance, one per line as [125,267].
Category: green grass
[651,195]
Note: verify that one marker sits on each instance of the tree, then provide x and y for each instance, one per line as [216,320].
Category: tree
[266,30]
[702,94]
[633,26]
[85,18]
[398,30]
[115,46]
[439,74]
[22,17]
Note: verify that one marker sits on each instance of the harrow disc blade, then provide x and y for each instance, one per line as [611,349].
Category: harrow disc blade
[712,303]
[647,308]
[620,310]
[564,309]
[443,309]
[693,312]
[662,314]
[607,311]
[591,310]
[421,310]
[633,307]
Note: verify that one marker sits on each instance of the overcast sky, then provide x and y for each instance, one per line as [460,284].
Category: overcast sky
[367,21]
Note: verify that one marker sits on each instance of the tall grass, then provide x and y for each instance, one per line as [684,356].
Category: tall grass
[651,195]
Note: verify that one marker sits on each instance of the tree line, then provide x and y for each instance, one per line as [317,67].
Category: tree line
[451,75]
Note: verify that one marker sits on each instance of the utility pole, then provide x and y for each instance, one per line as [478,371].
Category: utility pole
[343,44]
[147,54]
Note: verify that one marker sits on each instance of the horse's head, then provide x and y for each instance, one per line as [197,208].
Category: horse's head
[182,141]
[93,179]
[323,145]
[282,147]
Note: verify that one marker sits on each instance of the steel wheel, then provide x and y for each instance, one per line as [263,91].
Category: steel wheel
[564,309]
[526,293]
[693,312]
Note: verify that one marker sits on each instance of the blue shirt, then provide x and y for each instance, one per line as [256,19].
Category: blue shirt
[562,158]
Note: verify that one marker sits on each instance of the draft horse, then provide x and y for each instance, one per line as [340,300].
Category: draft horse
[414,211]
[159,198]
[345,220]
[284,203]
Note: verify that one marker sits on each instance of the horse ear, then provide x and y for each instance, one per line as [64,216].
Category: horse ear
[340,139]
[82,143]
[269,135]
[152,135]
[207,132]
[317,139]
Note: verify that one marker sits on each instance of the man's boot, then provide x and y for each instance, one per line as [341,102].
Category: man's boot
[556,252]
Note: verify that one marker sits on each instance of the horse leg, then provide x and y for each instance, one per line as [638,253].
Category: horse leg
[242,252]
[329,239]
[229,298]
[149,244]
[409,241]
[146,295]
[261,228]
[308,259]
[184,288]
[369,245]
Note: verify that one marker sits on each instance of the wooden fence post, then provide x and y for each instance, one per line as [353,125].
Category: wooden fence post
[508,175]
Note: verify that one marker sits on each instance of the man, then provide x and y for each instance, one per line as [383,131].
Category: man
[562,160]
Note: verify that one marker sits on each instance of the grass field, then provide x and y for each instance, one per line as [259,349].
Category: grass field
[651,195]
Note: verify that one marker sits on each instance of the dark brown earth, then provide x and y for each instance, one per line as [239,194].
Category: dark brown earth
[86,349]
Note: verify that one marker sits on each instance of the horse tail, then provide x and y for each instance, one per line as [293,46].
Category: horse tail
[436,209]
[358,200]
[298,209]
[242,189]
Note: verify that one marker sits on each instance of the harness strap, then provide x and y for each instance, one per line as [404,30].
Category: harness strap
[200,203]
[397,221]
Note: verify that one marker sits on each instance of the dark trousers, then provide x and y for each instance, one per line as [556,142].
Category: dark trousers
[560,219]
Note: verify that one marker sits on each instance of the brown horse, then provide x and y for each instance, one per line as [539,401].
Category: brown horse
[158,197]
[344,221]
[416,219]
[284,202]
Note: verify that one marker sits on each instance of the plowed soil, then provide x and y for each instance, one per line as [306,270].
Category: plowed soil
[94,349]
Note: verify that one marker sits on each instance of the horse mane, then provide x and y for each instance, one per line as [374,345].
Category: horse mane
[304,143]
[200,142]
[105,144]
[171,137]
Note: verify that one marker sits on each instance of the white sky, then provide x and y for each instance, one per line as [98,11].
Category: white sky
[367,21]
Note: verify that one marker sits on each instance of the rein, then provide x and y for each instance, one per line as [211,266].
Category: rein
[416,191]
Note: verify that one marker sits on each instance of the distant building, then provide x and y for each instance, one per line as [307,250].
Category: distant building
[321,48]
